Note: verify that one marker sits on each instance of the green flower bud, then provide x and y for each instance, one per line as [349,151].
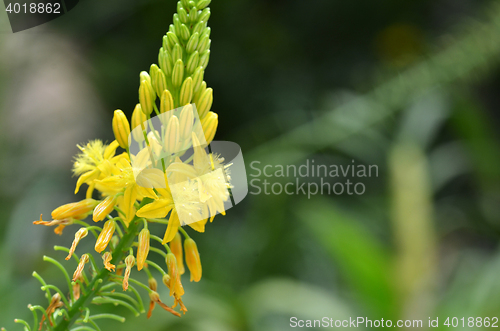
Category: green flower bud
[193,15]
[178,73]
[172,137]
[186,93]
[206,31]
[185,3]
[166,45]
[177,52]
[172,38]
[183,16]
[159,81]
[184,31]
[199,27]
[192,62]
[146,97]
[179,6]
[191,4]
[177,23]
[198,78]
[186,122]
[193,43]
[204,59]
[166,102]
[205,15]
[171,28]
[199,93]
[165,62]
[205,103]
[204,43]
[144,76]
[203,3]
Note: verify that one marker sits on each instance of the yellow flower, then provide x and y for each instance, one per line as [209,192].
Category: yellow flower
[94,161]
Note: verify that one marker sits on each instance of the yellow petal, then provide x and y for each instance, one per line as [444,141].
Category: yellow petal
[129,198]
[156,209]
[110,150]
[173,225]
[199,226]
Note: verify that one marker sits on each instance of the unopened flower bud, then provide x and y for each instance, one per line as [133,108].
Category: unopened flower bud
[178,73]
[205,15]
[172,39]
[183,15]
[204,43]
[193,15]
[104,208]
[186,93]
[172,135]
[198,78]
[203,3]
[193,42]
[76,210]
[159,80]
[199,27]
[146,96]
[79,269]
[209,125]
[82,233]
[204,58]
[138,120]
[121,128]
[143,248]
[204,104]
[193,62]
[166,102]
[129,263]
[152,284]
[105,236]
[106,259]
[184,32]
[144,76]
[165,61]
[176,248]
[193,259]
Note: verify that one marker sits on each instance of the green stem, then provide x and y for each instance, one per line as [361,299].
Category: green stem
[103,275]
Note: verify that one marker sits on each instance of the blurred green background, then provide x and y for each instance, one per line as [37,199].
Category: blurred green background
[410,86]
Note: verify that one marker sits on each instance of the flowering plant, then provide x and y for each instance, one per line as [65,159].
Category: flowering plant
[151,179]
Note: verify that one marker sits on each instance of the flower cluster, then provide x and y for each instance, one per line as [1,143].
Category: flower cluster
[126,190]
